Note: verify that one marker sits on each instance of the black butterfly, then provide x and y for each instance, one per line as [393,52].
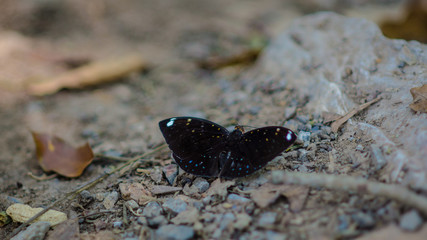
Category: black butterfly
[204,148]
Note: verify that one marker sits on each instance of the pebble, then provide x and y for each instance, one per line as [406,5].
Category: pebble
[206,200]
[292,124]
[378,157]
[303,118]
[302,155]
[344,223]
[117,224]
[226,220]
[304,137]
[175,205]
[174,232]
[36,230]
[363,220]
[85,197]
[411,221]
[152,209]
[359,147]
[201,185]
[237,199]
[157,221]
[267,218]
[110,200]
[132,204]
[170,171]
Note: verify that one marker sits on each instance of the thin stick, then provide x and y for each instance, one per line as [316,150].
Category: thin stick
[84,187]
[348,183]
[340,121]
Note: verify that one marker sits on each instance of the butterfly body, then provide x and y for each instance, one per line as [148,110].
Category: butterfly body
[204,148]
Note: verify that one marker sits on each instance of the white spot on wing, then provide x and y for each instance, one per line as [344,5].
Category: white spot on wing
[170,123]
[289,136]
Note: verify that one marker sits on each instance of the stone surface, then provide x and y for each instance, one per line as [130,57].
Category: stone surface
[110,200]
[339,67]
[411,221]
[175,205]
[237,199]
[152,209]
[201,185]
[36,231]
[174,232]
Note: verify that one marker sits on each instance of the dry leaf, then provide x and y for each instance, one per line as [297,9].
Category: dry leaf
[337,124]
[219,188]
[134,191]
[419,94]
[54,154]
[89,75]
[21,213]
[268,194]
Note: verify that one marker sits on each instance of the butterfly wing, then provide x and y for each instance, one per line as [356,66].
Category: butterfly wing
[256,148]
[194,143]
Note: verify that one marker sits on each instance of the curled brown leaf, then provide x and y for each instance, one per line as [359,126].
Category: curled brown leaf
[54,154]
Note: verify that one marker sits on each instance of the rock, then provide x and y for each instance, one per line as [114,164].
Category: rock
[36,231]
[377,157]
[359,147]
[316,44]
[237,199]
[152,209]
[411,221]
[132,204]
[243,221]
[363,220]
[226,219]
[304,137]
[201,185]
[173,232]
[162,189]
[267,219]
[85,198]
[110,200]
[157,221]
[117,224]
[170,171]
[175,205]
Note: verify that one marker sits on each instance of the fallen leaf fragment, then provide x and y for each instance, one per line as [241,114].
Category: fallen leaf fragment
[89,75]
[220,188]
[340,121]
[4,218]
[419,94]
[161,189]
[135,191]
[392,232]
[268,193]
[54,154]
[21,213]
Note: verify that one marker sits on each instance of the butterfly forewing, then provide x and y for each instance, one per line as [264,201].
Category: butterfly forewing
[192,141]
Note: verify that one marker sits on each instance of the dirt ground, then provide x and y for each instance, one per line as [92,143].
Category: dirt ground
[121,118]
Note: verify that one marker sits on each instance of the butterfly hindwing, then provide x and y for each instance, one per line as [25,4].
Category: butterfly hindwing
[256,148]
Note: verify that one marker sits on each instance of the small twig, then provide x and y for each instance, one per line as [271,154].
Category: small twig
[111,158]
[340,121]
[84,187]
[348,183]
[43,177]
